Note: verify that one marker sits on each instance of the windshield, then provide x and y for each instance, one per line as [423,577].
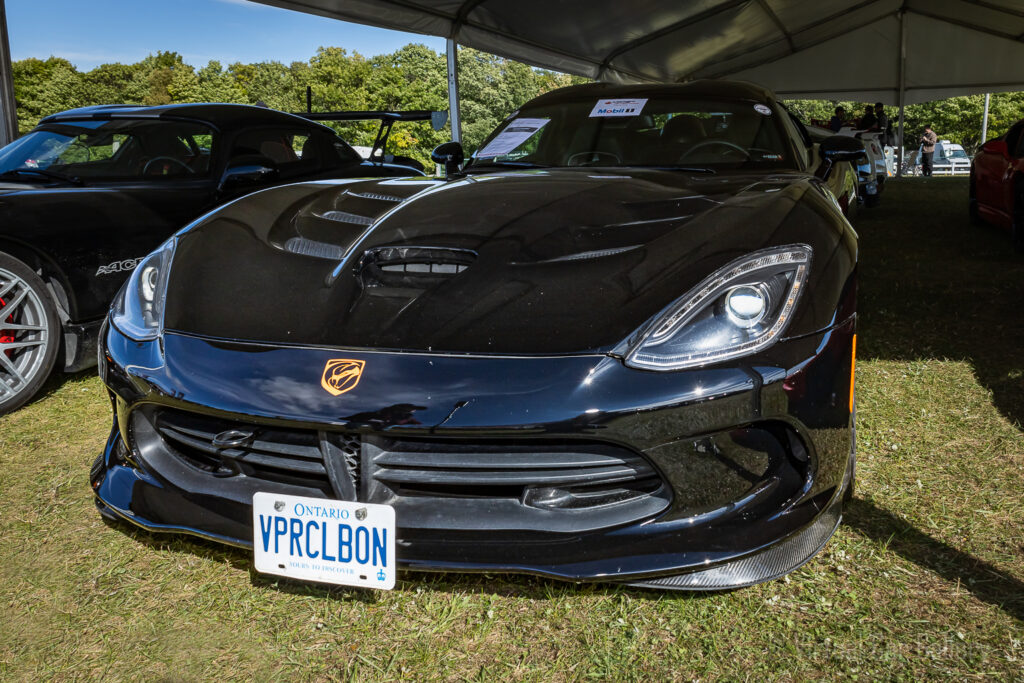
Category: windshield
[116,149]
[660,132]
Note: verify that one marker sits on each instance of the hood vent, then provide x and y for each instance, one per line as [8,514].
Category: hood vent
[346,217]
[412,267]
[375,195]
[307,247]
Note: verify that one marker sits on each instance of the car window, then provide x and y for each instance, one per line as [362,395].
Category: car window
[666,131]
[114,149]
[345,153]
[292,151]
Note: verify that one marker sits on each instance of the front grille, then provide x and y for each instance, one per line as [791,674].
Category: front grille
[432,483]
[499,469]
[512,484]
[287,456]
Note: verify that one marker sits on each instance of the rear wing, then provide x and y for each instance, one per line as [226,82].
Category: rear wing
[387,119]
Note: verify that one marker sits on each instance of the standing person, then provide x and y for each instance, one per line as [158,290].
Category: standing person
[837,121]
[883,124]
[868,121]
[928,140]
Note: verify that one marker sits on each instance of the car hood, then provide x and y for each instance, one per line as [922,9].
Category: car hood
[526,262]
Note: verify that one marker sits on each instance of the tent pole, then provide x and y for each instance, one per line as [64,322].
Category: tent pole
[903,86]
[8,113]
[984,119]
[453,90]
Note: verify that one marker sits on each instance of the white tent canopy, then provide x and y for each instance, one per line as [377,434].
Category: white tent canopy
[849,49]
[896,51]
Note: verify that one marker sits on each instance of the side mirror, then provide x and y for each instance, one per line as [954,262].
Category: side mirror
[835,149]
[248,173]
[996,146]
[450,155]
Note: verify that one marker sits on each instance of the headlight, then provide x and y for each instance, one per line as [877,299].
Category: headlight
[138,309]
[739,310]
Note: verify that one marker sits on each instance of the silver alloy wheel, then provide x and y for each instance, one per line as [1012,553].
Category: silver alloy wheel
[24,333]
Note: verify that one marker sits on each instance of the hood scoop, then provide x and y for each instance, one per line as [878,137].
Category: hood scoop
[411,267]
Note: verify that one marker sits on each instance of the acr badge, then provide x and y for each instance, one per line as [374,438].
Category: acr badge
[341,375]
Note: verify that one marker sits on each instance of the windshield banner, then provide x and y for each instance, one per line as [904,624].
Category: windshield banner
[515,134]
[617,108]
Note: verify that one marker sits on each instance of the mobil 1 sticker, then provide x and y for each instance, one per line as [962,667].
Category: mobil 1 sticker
[618,107]
[330,541]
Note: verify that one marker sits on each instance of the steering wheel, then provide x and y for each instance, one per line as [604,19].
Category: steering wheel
[179,162]
[592,158]
[709,143]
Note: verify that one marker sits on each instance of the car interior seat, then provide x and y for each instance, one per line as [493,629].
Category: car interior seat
[680,133]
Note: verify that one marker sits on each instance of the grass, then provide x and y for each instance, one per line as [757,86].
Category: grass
[923,580]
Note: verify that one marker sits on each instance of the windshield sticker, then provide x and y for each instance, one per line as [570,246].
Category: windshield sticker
[619,107]
[763,109]
[516,133]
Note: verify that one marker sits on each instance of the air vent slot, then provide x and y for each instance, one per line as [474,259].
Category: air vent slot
[543,485]
[308,247]
[374,195]
[346,217]
[412,267]
[288,456]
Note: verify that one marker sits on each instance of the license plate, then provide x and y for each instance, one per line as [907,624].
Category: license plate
[331,541]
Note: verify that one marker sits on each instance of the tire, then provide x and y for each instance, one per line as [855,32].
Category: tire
[30,333]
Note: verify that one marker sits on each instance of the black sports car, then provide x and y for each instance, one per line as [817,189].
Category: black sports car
[89,192]
[618,345]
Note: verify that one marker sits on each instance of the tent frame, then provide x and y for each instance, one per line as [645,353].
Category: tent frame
[8,111]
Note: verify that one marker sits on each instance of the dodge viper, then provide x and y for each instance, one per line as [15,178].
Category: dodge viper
[615,344]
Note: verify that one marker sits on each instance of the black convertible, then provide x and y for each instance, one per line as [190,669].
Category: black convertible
[617,345]
[90,191]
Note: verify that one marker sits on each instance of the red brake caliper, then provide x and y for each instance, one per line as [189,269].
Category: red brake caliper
[7,336]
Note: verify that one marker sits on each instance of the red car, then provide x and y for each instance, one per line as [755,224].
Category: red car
[997,183]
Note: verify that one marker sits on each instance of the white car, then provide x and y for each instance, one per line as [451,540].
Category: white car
[874,149]
[869,179]
[949,159]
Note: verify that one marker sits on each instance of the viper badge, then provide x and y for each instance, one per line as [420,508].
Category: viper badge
[341,375]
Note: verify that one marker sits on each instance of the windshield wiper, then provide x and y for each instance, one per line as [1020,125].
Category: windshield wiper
[508,164]
[686,169]
[74,180]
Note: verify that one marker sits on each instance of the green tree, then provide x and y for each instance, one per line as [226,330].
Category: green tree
[157,73]
[44,87]
[212,83]
[115,84]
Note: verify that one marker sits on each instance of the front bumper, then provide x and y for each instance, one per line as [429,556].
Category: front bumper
[733,475]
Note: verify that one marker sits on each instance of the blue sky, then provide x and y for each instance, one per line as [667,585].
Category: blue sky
[92,32]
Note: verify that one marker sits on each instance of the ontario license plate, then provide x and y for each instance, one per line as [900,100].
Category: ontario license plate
[331,541]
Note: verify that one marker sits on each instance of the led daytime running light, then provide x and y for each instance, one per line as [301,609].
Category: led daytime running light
[711,286]
[684,335]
